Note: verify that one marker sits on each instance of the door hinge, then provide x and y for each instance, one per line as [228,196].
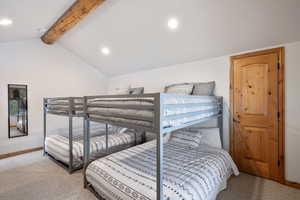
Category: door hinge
[278,65]
[278,163]
[278,115]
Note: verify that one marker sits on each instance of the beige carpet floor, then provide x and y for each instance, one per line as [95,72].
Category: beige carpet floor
[34,177]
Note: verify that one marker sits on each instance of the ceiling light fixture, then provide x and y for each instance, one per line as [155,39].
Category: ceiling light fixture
[105,51]
[6,22]
[173,23]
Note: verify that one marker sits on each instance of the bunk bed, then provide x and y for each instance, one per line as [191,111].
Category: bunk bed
[66,147]
[158,113]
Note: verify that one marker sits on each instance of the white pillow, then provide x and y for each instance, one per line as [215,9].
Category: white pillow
[167,136]
[117,129]
[211,137]
[180,88]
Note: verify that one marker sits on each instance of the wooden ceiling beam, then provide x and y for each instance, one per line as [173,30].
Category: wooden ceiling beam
[69,19]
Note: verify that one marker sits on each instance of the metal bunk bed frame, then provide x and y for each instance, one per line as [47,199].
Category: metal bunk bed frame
[70,112]
[158,108]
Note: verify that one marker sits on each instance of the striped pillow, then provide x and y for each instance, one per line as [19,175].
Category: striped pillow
[187,138]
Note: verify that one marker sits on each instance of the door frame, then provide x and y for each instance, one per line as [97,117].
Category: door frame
[280,51]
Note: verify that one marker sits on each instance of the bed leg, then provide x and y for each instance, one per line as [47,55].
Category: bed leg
[106,137]
[45,127]
[135,142]
[220,121]
[70,145]
[86,150]
[159,168]
[144,139]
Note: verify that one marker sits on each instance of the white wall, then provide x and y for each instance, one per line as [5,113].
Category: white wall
[292,111]
[218,69]
[48,71]
[154,80]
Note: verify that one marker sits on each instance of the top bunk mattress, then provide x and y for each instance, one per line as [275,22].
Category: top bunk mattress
[142,110]
[64,105]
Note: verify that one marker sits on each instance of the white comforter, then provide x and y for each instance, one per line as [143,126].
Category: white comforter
[58,146]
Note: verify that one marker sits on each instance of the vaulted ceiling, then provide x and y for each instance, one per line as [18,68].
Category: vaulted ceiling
[29,17]
[138,37]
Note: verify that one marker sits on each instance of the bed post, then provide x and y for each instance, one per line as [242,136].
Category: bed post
[220,120]
[86,142]
[45,121]
[144,137]
[158,102]
[106,137]
[135,142]
[71,103]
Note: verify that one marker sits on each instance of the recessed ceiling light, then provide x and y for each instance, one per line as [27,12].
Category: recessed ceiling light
[5,22]
[105,51]
[173,23]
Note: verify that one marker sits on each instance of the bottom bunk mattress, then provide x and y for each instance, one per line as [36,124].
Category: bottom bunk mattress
[58,146]
[198,173]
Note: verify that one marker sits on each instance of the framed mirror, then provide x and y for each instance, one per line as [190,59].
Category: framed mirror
[17,111]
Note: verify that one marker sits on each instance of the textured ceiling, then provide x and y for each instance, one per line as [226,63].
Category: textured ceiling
[136,31]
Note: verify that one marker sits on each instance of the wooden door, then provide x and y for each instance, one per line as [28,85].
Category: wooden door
[255,110]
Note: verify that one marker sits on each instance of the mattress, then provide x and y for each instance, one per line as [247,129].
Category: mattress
[58,145]
[65,101]
[198,173]
[140,111]
[96,129]
[62,105]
